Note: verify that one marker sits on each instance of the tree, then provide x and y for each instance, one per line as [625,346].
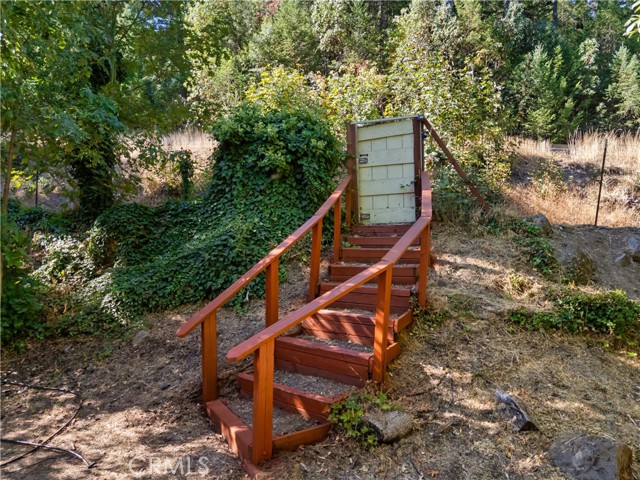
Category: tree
[621,106]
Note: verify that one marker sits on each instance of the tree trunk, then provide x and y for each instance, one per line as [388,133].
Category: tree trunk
[8,169]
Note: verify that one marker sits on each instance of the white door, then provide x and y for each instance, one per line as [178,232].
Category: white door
[386,172]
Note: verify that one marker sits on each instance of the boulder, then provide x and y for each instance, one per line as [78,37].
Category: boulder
[542,222]
[577,265]
[520,417]
[388,426]
[587,457]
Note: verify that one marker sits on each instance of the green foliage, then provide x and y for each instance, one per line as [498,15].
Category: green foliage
[348,415]
[271,171]
[621,106]
[21,309]
[611,313]
[183,163]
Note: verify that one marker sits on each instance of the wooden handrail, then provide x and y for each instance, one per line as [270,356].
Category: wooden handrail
[209,309]
[294,318]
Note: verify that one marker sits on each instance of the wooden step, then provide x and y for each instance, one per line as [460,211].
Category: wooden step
[239,435]
[402,274]
[354,327]
[352,254]
[365,297]
[377,241]
[308,405]
[381,230]
[322,360]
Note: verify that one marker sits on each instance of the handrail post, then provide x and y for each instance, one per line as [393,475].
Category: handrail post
[425,262]
[337,230]
[271,302]
[263,402]
[314,274]
[209,359]
[383,305]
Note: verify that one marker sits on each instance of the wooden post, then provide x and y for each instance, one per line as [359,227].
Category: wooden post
[314,274]
[209,359]
[271,314]
[337,230]
[263,403]
[382,325]
[425,261]
[417,161]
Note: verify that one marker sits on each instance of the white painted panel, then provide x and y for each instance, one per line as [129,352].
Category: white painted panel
[364,174]
[379,173]
[409,200]
[394,171]
[407,141]
[394,142]
[396,201]
[366,203]
[408,171]
[385,187]
[380,202]
[392,215]
[393,156]
[383,130]
[379,144]
[364,147]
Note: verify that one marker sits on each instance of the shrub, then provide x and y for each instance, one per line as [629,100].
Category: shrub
[611,313]
[21,308]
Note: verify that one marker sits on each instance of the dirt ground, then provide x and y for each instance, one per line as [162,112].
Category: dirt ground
[140,415]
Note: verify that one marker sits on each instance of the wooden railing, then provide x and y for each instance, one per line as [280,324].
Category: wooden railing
[262,345]
[206,317]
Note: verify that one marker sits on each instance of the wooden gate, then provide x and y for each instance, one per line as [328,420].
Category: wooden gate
[387,161]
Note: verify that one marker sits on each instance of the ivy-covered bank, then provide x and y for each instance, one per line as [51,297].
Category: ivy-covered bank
[271,171]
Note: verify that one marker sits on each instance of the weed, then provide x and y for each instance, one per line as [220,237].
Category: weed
[349,413]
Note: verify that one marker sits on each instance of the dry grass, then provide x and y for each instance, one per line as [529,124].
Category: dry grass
[562,181]
[162,182]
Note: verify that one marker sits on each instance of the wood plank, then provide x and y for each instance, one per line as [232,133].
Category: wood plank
[263,366]
[368,289]
[376,241]
[329,364]
[385,129]
[308,405]
[319,372]
[380,230]
[387,186]
[366,298]
[337,230]
[233,429]
[209,350]
[396,280]
[292,441]
[364,304]
[375,254]
[322,350]
[389,156]
[350,270]
[327,335]
[357,329]
[403,321]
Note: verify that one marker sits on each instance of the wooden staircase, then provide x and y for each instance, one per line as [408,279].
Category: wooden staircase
[344,336]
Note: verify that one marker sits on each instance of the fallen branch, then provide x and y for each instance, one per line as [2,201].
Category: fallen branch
[57,432]
[49,447]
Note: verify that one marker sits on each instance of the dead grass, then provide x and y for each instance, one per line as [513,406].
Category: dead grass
[562,181]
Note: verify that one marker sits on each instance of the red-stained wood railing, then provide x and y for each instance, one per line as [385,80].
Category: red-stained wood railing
[262,345]
[206,316]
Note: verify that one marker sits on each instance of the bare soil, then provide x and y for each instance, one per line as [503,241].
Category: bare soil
[140,405]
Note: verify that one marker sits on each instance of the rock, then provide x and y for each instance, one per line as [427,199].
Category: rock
[588,457]
[522,421]
[140,337]
[542,222]
[577,265]
[388,426]
[623,260]
[633,248]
